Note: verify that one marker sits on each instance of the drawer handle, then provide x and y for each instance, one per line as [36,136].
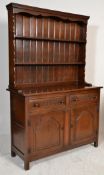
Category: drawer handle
[94,97]
[37,105]
[74,99]
[61,102]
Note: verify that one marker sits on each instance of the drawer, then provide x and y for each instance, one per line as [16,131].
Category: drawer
[84,98]
[46,104]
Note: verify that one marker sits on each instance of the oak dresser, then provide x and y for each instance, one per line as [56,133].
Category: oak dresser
[53,109]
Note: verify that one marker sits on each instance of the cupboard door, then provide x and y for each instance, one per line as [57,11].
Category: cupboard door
[46,132]
[84,119]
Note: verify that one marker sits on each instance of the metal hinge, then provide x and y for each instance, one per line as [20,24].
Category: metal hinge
[29,123]
[96,132]
[29,150]
[71,125]
[97,109]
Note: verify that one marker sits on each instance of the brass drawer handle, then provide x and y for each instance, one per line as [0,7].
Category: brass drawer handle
[61,102]
[93,98]
[37,105]
[75,99]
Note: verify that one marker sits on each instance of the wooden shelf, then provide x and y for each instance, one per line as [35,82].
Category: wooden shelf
[49,39]
[46,84]
[47,64]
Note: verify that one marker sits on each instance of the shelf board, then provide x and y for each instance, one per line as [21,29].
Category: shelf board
[49,39]
[52,84]
[47,64]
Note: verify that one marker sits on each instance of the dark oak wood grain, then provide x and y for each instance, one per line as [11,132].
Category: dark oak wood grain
[53,109]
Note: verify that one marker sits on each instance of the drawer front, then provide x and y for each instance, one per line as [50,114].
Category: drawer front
[36,105]
[84,98]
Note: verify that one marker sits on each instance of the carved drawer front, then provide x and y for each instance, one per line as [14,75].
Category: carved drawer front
[46,104]
[84,98]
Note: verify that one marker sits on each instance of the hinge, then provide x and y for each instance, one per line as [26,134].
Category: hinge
[96,132]
[97,109]
[29,123]
[29,150]
[71,125]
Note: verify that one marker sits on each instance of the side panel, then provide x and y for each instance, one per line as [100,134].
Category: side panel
[18,121]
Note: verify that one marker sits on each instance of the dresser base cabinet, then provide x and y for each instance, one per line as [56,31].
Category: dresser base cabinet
[48,124]
[53,109]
